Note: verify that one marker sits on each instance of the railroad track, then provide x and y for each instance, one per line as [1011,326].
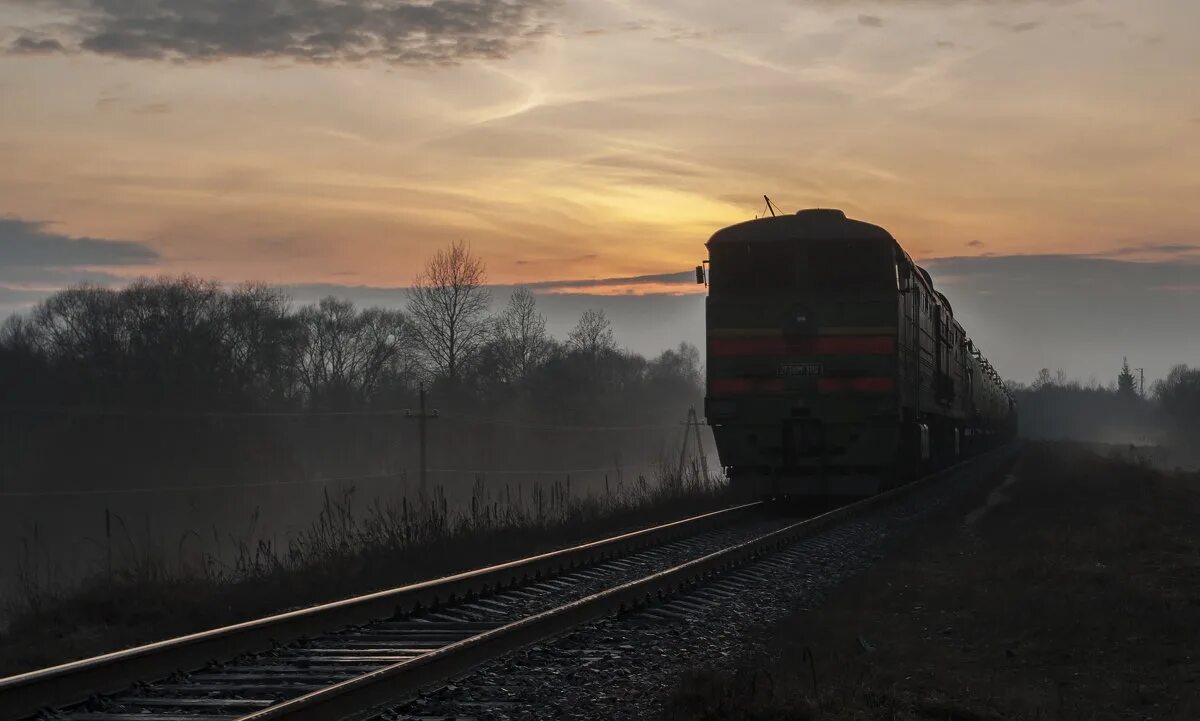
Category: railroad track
[261,666]
[343,659]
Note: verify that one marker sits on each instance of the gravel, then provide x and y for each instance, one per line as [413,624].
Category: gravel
[336,656]
[618,668]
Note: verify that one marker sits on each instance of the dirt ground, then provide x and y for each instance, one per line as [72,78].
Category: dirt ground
[1071,591]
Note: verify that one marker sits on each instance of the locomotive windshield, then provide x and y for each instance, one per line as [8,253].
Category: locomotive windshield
[757,268]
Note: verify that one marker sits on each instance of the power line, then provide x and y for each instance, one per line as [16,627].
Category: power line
[200,487]
[483,420]
[399,412]
[153,413]
[307,481]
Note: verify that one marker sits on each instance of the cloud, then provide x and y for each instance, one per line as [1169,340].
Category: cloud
[571,286]
[678,34]
[556,261]
[871,21]
[1022,27]
[407,32]
[1100,22]
[28,45]
[31,253]
[153,109]
[658,279]
[1180,251]
[111,101]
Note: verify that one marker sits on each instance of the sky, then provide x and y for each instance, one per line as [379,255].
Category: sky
[1024,150]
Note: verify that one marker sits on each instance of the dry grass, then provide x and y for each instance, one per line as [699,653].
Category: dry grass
[343,552]
[1074,595]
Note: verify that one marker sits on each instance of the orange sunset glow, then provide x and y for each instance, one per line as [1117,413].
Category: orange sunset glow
[609,139]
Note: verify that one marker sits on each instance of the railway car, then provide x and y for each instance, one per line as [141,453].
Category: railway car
[834,366]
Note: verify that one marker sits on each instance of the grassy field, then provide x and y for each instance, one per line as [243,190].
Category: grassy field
[345,551]
[1071,592]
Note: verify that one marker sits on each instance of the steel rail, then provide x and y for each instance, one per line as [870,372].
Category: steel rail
[359,696]
[27,694]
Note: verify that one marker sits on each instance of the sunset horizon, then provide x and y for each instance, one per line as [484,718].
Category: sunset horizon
[591,148]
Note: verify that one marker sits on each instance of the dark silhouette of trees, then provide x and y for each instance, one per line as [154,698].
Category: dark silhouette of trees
[347,354]
[1179,396]
[1126,385]
[1053,406]
[263,339]
[179,342]
[678,367]
[520,340]
[593,335]
[184,345]
[449,304]
[179,380]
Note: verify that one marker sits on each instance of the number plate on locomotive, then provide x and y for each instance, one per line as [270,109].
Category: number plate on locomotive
[800,369]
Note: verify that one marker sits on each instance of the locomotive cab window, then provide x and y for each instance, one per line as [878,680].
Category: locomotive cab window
[826,265]
[745,268]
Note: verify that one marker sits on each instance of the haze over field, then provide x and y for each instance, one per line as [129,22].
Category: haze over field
[1043,150]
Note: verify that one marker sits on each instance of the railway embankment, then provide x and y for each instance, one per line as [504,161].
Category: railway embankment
[342,553]
[1069,591]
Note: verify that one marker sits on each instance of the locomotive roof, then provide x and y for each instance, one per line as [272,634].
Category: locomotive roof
[812,224]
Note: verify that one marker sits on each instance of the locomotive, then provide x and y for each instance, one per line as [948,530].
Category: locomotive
[834,366]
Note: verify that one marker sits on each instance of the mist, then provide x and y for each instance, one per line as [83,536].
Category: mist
[176,427]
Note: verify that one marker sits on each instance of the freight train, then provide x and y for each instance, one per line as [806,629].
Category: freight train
[834,366]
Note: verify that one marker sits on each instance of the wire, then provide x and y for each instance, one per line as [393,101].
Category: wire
[151,413]
[560,471]
[483,420]
[180,489]
[343,479]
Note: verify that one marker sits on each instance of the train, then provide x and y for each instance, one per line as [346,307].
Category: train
[834,366]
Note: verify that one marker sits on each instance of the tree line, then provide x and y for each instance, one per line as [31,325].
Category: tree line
[187,344]
[1054,405]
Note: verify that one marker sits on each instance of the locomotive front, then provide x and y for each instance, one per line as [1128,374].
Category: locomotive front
[802,317]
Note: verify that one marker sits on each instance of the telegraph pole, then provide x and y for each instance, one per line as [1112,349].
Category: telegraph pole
[687,429]
[422,416]
[692,426]
[1141,381]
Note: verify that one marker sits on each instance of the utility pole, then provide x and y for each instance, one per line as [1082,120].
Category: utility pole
[1141,381]
[692,427]
[422,417]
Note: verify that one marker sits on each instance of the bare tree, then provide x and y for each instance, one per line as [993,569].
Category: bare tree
[521,336]
[263,339]
[347,354]
[593,335]
[1179,396]
[448,304]
[678,367]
